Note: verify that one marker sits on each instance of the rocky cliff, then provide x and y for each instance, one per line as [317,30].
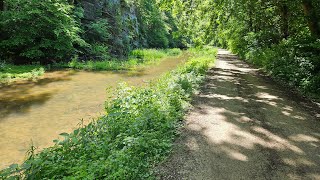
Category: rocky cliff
[122,19]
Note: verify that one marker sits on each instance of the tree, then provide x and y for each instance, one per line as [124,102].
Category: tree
[38,31]
[1,5]
[152,25]
[312,17]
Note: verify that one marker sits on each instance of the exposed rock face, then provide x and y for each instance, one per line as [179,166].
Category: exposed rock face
[92,9]
[122,19]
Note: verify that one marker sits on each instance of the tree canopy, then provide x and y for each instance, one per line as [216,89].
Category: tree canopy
[279,35]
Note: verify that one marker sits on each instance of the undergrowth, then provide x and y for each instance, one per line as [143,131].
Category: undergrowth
[136,133]
[296,65]
[136,57]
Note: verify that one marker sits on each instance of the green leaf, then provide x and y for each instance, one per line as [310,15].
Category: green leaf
[64,134]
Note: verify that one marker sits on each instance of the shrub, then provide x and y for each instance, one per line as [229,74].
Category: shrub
[97,31]
[99,51]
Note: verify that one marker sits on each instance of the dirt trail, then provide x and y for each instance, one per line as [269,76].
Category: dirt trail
[244,126]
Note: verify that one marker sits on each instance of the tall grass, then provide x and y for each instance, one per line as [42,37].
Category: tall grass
[9,72]
[136,57]
[136,133]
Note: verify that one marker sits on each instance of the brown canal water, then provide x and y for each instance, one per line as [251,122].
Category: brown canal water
[37,112]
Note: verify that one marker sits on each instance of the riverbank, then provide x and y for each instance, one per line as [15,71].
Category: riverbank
[40,110]
[136,133]
[10,73]
[141,57]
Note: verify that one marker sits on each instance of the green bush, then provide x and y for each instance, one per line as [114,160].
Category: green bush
[136,133]
[99,51]
[97,31]
[33,30]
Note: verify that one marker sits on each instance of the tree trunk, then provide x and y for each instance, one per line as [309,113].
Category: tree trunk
[1,5]
[284,21]
[311,16]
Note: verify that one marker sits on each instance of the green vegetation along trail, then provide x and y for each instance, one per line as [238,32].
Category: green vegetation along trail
[243,126]
[40,111]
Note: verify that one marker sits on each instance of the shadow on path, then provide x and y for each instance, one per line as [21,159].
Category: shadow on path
[244,126]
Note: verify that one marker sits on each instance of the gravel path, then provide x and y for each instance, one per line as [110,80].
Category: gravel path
[245,126]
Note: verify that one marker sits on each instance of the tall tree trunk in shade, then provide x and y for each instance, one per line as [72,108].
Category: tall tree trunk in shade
[284,20]
[311,15]
[1,5]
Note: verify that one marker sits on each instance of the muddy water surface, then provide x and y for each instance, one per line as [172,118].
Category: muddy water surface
[37,112]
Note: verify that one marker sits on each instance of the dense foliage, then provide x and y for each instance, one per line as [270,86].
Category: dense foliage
[279,35]
[37,30]
[136,133]
[153,27]
[57,30]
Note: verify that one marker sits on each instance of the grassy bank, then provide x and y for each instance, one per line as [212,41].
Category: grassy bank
[137,57]
[136,133]
[9,73]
